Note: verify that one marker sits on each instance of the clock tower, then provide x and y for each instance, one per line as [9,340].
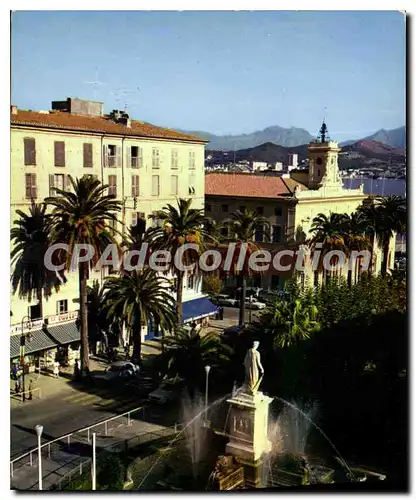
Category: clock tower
[323,161]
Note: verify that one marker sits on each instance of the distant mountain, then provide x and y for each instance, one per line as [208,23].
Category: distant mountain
[396,138]
[287,137]
[272,153]
[291,137]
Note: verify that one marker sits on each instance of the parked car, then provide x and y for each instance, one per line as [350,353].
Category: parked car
[225,300]
[168,392]
[255,304]
[119,370]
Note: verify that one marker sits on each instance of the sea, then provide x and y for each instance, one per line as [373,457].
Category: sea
[378,187]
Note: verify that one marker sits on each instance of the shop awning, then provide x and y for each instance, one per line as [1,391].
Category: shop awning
[65,333]
[197,309]
[45,339]
[39,341]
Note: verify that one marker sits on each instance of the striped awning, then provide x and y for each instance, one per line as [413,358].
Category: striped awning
[65,333]
[47,338]
[39,341]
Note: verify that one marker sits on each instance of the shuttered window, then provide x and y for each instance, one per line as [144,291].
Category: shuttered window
[87,155]
[30,151]
[174,158]
[155,158]
[191,188]
[191,159]
[59,148]
[112,185]
[136,157]
[111,154]
[59,181]
[174,184]
[135,186]
[155,185]
[31,191]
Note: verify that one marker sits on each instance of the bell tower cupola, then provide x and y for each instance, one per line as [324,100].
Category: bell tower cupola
[323,161]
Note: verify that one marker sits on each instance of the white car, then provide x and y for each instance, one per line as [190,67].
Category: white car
[225,300]
[119,370]
[252,303]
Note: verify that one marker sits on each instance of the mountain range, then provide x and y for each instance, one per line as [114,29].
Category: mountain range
[292,137]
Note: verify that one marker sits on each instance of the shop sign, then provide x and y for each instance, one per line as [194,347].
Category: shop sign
[60,318]
[27,325]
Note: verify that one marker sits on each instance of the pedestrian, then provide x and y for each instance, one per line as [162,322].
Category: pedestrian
[30,389]
[56,369]
[76,370]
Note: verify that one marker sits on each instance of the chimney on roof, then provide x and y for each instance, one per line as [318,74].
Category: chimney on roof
[13,109]
[120,117]
[77,106]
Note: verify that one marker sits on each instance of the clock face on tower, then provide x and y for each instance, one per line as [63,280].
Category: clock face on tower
[319,161]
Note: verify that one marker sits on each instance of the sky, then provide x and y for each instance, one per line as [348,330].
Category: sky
[216,71]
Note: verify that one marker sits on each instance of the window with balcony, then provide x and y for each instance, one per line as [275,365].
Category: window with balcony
[136,157]
[174,158]
[276,234]
[191,160]
[155,185]
[278,211]
[112,185]
[62,306]
[29,151]
[155,158]
[56,181]
[224,208]
[31,190]
[135,191]
[174,185]
[34,312]
[87,156]
[59,153]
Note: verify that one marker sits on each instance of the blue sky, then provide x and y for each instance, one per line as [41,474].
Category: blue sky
[221,72]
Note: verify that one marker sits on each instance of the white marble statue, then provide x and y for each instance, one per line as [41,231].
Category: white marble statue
[254,369]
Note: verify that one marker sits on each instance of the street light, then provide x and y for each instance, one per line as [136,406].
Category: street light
[94,464]
[39,430]
[22,349]
[207,369]
[250,309]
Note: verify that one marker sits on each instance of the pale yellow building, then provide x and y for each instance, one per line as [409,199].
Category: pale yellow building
[289,203]
[145,166]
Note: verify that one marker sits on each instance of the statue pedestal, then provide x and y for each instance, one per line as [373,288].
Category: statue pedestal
[248,424]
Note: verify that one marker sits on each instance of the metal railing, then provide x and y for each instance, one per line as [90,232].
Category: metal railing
[47,446]
[29,392]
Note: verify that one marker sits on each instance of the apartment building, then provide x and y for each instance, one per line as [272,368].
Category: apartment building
[145,167]
[289,204]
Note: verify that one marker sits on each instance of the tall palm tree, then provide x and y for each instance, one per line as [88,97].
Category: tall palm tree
[327,231]
[242,227]
[370,217]
[181,225]
[353,229]
[30,240]
[187,353]
[82,216]
[138,298]
[392,220]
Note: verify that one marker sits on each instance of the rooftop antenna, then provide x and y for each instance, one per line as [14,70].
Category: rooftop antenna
[121,95]
[95,83]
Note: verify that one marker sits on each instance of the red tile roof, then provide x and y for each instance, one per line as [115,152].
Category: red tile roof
[249,185]
[81,123]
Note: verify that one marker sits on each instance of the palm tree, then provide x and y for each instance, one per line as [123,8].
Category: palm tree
[97,321]
[187,353]
[328,232]
[30,240]
[353,229]
[392,220]
[82,216]
[138,298]
[242,227]
[181,225]
[370,217]
[290,321]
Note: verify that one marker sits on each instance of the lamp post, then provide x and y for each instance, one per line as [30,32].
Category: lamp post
[207,369]
[94,464]
[250,310]
[22,349]
[39,430]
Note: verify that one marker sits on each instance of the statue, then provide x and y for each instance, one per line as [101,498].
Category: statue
[254,369]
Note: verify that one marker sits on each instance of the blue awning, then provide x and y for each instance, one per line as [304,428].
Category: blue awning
[197,309]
